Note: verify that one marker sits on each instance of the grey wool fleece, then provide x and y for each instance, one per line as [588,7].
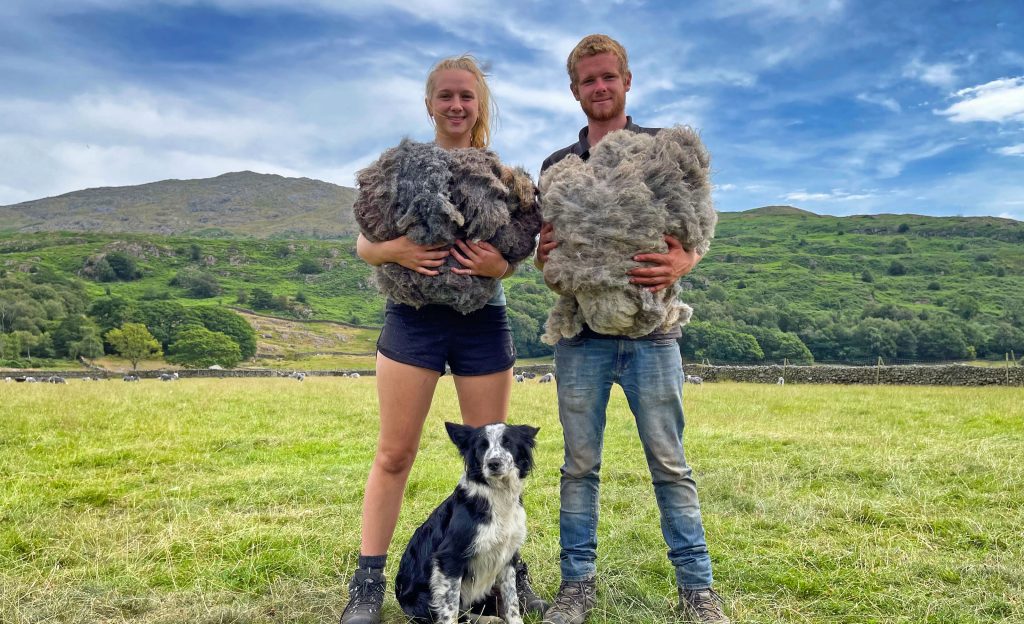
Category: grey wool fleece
[634,189]
[434,197]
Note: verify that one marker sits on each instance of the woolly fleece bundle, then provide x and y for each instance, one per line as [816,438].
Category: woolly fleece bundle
[634,189]
[435,196]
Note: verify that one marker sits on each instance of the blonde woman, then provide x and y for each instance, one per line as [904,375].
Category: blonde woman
[415,345]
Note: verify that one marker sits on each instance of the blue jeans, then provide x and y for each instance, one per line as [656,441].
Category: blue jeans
[651,375]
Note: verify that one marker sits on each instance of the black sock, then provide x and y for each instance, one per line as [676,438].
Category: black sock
[376,562]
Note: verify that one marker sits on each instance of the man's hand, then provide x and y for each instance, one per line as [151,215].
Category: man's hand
[480,258]
[546,244]
[668,267]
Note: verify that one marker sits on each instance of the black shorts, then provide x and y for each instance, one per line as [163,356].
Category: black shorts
[478,343]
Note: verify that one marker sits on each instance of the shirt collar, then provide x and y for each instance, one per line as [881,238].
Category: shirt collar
[583,147]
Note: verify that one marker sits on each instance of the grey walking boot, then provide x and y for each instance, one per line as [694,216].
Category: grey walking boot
[703,606]
[529,602]
[365,597]
[573,603]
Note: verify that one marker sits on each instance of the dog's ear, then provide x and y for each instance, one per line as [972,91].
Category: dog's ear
[458,433]
[529,433]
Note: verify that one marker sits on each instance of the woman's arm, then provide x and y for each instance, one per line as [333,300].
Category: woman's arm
[401,250]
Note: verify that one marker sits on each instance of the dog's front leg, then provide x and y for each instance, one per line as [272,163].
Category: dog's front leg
[444,596]
[509,597]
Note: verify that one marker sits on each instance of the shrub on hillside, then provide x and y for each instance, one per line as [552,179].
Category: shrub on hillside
[199,284]
[200,348]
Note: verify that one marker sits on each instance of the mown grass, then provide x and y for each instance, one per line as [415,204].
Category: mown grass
[222,500]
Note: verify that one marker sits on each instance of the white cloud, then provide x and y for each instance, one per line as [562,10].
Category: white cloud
[997,101]
[1011,150]
[833,195]
[936,74]
[880,100]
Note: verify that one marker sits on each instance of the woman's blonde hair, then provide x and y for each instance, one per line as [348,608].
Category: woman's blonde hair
[480,135]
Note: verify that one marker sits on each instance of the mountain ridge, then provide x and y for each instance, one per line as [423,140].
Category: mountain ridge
[262,205]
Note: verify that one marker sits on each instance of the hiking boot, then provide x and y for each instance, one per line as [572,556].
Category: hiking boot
[529,602]
[365,597]
[701,606]
[574,601]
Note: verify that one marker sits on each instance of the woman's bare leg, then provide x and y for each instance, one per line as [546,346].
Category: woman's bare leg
[484,399]
[404,393]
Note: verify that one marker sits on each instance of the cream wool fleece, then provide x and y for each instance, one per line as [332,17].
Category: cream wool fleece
[634,189]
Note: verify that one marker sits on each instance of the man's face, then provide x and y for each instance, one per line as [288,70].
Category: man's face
[600,87]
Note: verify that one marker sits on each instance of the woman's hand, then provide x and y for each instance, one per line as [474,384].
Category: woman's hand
[420,258]
[479,259]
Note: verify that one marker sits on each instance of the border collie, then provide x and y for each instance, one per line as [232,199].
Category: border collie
[467,544]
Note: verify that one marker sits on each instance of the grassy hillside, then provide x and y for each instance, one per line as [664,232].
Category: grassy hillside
[830,281]
[234,204]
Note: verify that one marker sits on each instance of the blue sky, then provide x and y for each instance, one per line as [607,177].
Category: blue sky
[836,106]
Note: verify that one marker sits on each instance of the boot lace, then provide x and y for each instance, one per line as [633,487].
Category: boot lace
[366,594]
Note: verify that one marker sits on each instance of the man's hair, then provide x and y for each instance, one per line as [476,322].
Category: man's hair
[481,133]
[592,45]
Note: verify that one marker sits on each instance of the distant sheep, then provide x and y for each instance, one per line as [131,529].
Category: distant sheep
[435,196]
[520,378]
[130,378]
[634,189]
[354,375]
[781,381]
[168,376]
[546,378]
[694,379]
[56,379]
[298,375]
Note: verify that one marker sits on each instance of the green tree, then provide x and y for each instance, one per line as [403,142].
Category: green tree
[71,330]
[778,345]
[89,346]
[134,343]
[230,323]
[309,266]
[199,284]
[262,299]
[199,348]
[896,268]
[112,312]
[123,266]
[166,319]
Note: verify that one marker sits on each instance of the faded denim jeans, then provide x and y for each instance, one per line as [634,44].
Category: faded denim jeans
[650,373]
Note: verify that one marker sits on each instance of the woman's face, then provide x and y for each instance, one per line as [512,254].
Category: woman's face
[454,107]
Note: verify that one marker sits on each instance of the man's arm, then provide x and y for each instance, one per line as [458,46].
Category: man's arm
[668,267]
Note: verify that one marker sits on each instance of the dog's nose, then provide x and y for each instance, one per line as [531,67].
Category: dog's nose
[494,465]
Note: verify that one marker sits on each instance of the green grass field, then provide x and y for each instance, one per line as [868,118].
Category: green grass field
[216,501]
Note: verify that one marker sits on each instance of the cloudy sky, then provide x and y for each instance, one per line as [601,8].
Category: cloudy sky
[835,106]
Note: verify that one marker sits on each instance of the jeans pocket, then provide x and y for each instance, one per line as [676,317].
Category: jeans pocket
[575,341]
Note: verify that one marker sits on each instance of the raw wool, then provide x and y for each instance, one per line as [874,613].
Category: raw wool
[634,189]
[435,196]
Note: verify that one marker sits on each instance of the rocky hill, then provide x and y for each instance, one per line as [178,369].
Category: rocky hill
[233,204]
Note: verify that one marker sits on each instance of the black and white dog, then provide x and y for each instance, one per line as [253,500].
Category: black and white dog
[467,544]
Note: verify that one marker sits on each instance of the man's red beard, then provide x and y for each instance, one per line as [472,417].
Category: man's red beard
[604,114]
